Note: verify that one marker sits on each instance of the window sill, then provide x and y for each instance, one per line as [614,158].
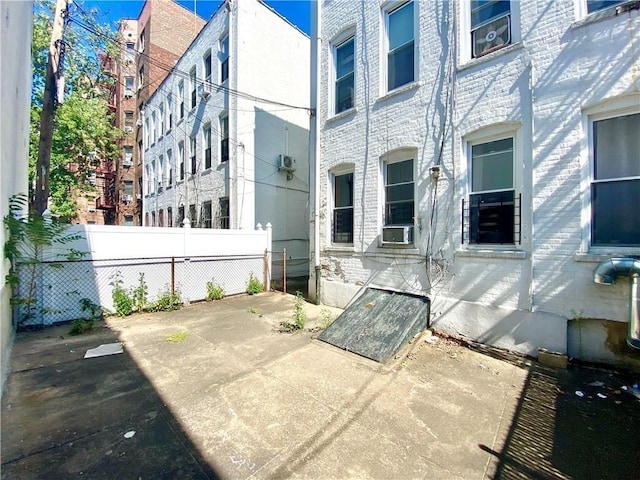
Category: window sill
[395,252]
[600,256]
[601,15]
[343,248]
[206,171]
[474,62]
[399,91]
[506,254]
[342,115]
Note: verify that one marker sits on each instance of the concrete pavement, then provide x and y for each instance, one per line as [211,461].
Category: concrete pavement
[234,397]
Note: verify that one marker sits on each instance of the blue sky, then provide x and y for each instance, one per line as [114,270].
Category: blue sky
[297,12]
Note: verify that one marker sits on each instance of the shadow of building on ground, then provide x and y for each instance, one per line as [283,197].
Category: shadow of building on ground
[576,423]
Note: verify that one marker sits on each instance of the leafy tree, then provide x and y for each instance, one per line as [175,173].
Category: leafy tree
[83,131]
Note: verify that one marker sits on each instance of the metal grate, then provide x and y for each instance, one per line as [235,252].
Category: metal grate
[492,218]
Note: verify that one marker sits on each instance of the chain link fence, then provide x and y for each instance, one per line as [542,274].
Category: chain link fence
[61,291]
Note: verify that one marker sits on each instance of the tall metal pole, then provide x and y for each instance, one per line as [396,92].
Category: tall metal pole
[48,109]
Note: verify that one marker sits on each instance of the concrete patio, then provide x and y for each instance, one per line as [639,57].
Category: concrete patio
[234,397]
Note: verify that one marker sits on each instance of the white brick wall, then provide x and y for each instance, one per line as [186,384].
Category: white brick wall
[269,59]
[541,88]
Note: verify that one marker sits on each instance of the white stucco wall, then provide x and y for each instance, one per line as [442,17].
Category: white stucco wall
[261,68]
[562,66]
[15,90]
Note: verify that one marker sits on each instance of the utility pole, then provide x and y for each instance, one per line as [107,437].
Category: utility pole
[48,109]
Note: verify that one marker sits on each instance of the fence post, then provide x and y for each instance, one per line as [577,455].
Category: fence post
[265,270]
[173,276]
[284,269]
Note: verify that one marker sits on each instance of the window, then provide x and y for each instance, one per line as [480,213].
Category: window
[169,217]
[160,173]
[127,188]
[595,5]
[141,42]
[152,178]
[181,100]
[161,121]
[147,133]
[223,213]
[344,65]
[128,118]
[192,151]
[181,159]
[170,167]
[400,38]
[207,66]
[127,156]
[193,217]
[161,218]
[224,138]
[154,126]
[153,219]
[207,146]
[343,208]
[224,59]
[130,52]
[169,114]
[141,78]
[128,86]
[128,220]
[205,215]
[490,26]
[399,193]
[615,183]
[192,83]
[180,214]
[146,219]
[492,199]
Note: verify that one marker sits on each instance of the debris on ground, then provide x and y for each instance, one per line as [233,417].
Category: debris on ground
[104,350]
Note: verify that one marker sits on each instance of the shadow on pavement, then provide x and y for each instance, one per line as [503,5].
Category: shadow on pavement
[64,416]
[575,423]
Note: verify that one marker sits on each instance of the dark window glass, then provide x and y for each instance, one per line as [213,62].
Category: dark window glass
[343,209]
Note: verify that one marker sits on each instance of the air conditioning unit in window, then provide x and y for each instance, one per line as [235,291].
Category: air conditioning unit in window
[128,93]
[397,235]
[204,89]
[128,129]
[491,36]
[287,163]
[127,162]
[127,198]
[139,122]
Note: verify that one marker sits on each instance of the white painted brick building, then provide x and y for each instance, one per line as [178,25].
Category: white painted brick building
[218,129]
[465,133]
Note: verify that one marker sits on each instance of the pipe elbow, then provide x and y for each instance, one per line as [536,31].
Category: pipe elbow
[607,271]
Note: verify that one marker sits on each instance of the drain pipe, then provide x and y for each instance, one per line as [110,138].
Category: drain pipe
[607,272]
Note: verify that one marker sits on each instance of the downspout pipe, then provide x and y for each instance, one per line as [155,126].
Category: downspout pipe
[606,273]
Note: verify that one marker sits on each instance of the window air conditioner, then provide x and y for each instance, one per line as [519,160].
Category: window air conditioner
[204,89]
[287,163]
[138,196]
[127,162]
[128,129]
[492,36]
[128,93]
[127,198]
[397,235]
[139,122]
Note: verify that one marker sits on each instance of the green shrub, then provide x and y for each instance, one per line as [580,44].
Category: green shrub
[80,326]
[122,301]
[254,286]
[139,294]
[166,302]
[214,291]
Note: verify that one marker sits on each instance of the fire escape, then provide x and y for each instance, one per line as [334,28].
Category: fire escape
[106,171]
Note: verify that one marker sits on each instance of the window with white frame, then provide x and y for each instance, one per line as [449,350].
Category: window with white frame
[153,177]
[192,84]
[615,181]
[399,198]
[224,59]
[206,63]
[128,86]
[342,220]
[596,5]
[193,150]
[490,26]
[127,158]
[169,217]
[344,70]
[154,126]
[147,133]
[170,167]
[161,120]
[160,173]
[206,133]
[130,52]
[400,46]
[181,159]
[181,100]
[205,215]
[169,114]
[223,216]
[224,137]
[491,208]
